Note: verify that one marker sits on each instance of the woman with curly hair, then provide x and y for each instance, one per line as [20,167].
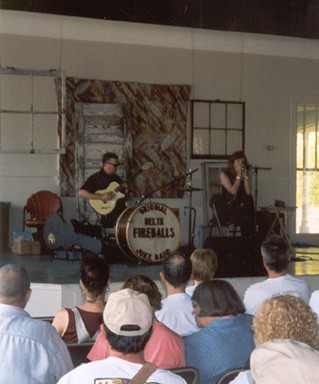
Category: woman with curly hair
[286,335]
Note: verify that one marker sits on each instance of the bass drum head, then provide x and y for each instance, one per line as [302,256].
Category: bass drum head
[149,232]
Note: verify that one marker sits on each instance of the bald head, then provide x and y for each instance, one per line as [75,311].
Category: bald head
[177,269]
[14,285]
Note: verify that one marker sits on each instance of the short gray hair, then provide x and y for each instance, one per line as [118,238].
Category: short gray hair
[14,282]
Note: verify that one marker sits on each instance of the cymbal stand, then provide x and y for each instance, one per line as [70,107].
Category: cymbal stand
[191,226]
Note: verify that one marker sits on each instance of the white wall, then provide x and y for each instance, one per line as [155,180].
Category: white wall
[264,71]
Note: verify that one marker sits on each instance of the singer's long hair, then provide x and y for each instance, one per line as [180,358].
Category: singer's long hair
[236,155]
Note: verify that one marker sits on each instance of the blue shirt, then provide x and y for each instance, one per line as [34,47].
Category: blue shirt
[225,343]
[31,351]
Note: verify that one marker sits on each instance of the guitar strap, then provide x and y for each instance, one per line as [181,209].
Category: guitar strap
[143,374]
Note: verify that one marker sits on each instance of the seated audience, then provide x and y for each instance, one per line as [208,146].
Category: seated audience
[165,348]
[204,266]
[128,319]
[286,335]
[31,350]
[275,257]
[225,340]
[176,312]
[82,323]
[314,302]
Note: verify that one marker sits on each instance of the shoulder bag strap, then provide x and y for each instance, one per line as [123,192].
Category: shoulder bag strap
[143,374]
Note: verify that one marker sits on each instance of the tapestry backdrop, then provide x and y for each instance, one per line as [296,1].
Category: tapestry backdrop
[158,117]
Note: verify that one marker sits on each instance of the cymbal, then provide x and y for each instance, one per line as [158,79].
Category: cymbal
[190,189]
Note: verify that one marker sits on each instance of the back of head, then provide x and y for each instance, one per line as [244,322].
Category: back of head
[286,317]
[128,319]
[177,270]
[144,284]
[94,274]
[14,285]
[285,362]
[275,253]
[217,298]
[204,264]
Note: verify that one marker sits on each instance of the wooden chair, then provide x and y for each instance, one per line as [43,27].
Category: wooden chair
[189,374]
[38,208]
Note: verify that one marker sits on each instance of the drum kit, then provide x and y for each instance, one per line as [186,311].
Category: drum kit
[151,231]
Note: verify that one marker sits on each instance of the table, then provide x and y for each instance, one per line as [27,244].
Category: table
[287,211]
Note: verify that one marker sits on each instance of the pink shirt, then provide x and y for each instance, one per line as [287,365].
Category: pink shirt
[165,348]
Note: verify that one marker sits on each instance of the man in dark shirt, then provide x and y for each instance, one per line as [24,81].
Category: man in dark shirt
[104,190]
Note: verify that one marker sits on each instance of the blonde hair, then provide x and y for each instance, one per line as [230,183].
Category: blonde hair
[286,317]
[204,264]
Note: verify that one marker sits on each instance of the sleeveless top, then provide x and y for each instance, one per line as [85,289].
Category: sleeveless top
[241,190]
[83,326]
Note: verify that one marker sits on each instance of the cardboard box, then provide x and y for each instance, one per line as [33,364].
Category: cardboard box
[21,246]
[35,248]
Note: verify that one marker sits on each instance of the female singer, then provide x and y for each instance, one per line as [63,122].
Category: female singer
[236,189]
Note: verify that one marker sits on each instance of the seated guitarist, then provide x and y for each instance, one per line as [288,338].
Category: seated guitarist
[94,188]
[236,188]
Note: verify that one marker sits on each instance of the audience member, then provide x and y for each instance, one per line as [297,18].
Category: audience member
[176,312]
[204,266]
[82,323]
[286,335]
[165,348]
[314,303]
[225,340]
[128,319]
[275,257]
[31,350]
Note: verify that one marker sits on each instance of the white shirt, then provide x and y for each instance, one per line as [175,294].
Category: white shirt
[271,287]
[176,314]
[31,351]
[115,368]
[244,377]
[314,303]
[190,289]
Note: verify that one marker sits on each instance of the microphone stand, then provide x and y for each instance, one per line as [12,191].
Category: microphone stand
[256,169]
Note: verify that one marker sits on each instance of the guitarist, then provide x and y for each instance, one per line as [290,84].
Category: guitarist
[100,181]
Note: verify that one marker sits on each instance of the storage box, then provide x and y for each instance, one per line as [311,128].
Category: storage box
[35,248]
[27,235]
[21,246]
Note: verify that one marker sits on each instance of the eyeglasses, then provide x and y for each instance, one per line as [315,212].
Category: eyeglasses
[114,165]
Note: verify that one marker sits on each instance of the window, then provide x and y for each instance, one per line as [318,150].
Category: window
[307,168]
[217,128]
[31,110]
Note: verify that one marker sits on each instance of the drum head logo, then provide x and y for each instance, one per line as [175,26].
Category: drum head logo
[149,232]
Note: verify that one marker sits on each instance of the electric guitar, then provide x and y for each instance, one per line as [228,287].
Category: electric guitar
[104,208]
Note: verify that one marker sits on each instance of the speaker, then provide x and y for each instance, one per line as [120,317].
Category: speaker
[237,257]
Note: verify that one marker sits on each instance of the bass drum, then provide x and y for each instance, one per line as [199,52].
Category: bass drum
[148,232]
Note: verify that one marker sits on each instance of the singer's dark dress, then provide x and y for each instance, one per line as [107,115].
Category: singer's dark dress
[239,208]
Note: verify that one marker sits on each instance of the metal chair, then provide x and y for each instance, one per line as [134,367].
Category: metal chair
[220,217]
[79,352]
[229,375]
[189,374]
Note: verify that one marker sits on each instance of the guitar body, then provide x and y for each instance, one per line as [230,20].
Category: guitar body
[108,206]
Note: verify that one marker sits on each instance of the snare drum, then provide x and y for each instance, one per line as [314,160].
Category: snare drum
[149,232]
